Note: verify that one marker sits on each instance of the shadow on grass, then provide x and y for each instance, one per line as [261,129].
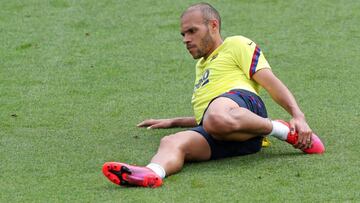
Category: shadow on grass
[216,166]
[261,156]
[113,187]
[283,154]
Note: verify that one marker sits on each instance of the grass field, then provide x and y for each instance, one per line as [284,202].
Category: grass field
[77,76]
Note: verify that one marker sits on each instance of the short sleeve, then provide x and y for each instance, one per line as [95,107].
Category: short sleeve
[248,56]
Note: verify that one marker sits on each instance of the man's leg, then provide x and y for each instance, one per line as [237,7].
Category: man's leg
[172,152]
[177,148]
[225,120]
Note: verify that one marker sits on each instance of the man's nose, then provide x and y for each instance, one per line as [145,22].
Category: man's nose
[186,39]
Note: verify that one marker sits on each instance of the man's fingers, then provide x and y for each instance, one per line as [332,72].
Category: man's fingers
[304,140]
[146,123]
[292,128]
[142,124]
[308,140]
[155,123]
[298,145]
[158,125]
[301,128]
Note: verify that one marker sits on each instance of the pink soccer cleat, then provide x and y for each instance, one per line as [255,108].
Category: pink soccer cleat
[317,146]
[128,175]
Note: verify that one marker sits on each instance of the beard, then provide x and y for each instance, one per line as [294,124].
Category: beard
[204,47]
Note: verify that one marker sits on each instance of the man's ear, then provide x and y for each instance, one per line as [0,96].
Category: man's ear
[214,25]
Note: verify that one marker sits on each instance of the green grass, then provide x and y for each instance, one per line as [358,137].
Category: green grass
[77,76]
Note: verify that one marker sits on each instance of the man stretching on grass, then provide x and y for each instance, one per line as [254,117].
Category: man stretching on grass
[230,118]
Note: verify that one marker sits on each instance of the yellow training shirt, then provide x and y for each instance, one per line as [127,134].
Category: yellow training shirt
[230,66]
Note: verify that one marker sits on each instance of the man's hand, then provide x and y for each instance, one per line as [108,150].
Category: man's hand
[156,123]
[282,95]
[300,126]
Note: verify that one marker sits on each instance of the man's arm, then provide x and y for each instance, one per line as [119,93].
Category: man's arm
[169,123]
[282,95]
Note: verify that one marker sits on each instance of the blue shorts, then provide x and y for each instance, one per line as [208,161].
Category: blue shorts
[222,149]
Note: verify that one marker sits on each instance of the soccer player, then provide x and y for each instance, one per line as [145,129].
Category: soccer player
[230,118]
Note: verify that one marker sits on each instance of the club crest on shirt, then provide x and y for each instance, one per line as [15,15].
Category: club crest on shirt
[203,80]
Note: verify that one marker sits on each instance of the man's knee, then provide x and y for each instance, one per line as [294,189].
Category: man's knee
[216,124]
[172,141]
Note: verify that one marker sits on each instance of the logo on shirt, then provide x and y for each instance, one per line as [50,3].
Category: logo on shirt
[203,80]
[214,57]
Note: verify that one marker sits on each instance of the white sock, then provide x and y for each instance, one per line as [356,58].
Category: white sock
[279,130]
[159,170]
